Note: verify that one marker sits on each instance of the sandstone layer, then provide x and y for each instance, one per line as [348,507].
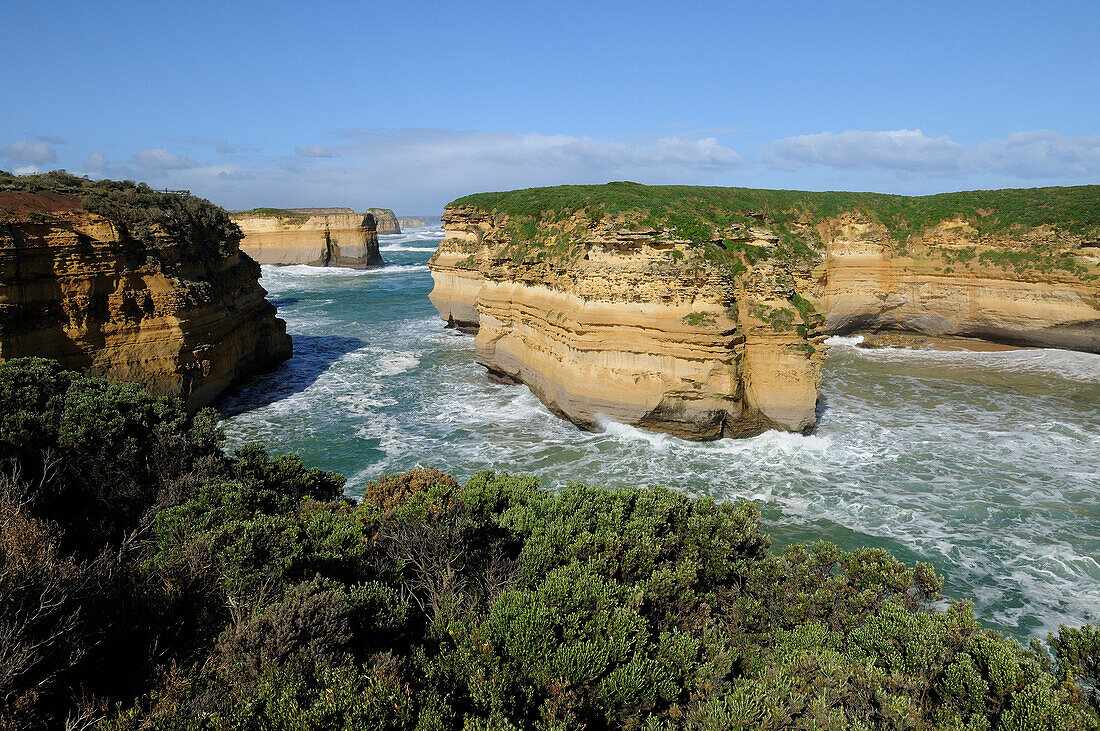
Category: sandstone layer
[166,300]
[622,335]
[314,236]
[610,308]
[1006,289]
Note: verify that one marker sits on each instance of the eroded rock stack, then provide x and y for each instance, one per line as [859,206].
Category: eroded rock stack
[385,220]
[119,281]
[702,311]
[314,236]
[624,332]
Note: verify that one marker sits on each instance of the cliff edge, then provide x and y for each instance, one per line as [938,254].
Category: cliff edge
[134,285]
[702,311]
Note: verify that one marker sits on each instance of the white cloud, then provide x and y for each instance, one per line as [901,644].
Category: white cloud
[29,152]
[901,149]
[314,151]
[1042,154]
[26,170]
[1026,155]
[432,166]
[474,160]
[158,158]
[222,147]
[52,139]
[96,162]
[421,169]
[97,165]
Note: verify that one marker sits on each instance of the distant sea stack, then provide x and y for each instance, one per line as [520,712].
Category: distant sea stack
[315,236]
[124,282]
[702,312]
[419,221]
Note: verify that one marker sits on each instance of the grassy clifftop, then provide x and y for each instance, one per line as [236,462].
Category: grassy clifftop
[284,215]
[135,209]
[696,212]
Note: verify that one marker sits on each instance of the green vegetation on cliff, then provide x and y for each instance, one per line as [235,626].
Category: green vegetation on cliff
[696,212]
[284,215]
[135,209]
[149,580]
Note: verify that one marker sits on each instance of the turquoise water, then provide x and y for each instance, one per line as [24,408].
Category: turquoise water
[984,464]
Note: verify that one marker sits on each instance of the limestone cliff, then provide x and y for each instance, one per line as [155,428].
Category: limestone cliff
[385,221]
[122,282]
[701,311]
[628,331]
[315,236]
[1027,287]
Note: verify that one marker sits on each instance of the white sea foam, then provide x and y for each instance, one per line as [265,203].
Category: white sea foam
[399,247]
[1068,364]
[432,233]
[392,364]
[849,340]
[632,435]
[273,273]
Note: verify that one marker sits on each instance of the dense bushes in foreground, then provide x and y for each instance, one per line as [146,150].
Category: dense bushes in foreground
[147,580]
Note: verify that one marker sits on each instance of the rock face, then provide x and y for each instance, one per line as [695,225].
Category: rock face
[1028,288]
[315,236]
[710,323]
[385,220]
[167,301]
[622,335]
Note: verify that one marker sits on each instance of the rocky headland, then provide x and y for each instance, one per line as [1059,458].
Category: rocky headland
[120,281]
[701,312]
[315,236]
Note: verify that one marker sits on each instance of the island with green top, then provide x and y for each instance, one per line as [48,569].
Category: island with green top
[702,311]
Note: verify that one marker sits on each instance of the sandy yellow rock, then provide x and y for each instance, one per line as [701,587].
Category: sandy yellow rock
[74,289]
[642,330]
[620,336]
[314,236]
[386,221]
[946,284]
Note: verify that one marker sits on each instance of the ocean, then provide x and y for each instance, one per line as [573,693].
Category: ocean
[982,463]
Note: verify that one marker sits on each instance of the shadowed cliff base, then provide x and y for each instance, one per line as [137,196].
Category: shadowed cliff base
[313,356]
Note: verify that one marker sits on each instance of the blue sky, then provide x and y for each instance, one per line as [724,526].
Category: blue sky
[411,104]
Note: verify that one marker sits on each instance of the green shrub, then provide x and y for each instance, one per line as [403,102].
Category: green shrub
[214,591]
[1077,651]
[140,212]
[696,212]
